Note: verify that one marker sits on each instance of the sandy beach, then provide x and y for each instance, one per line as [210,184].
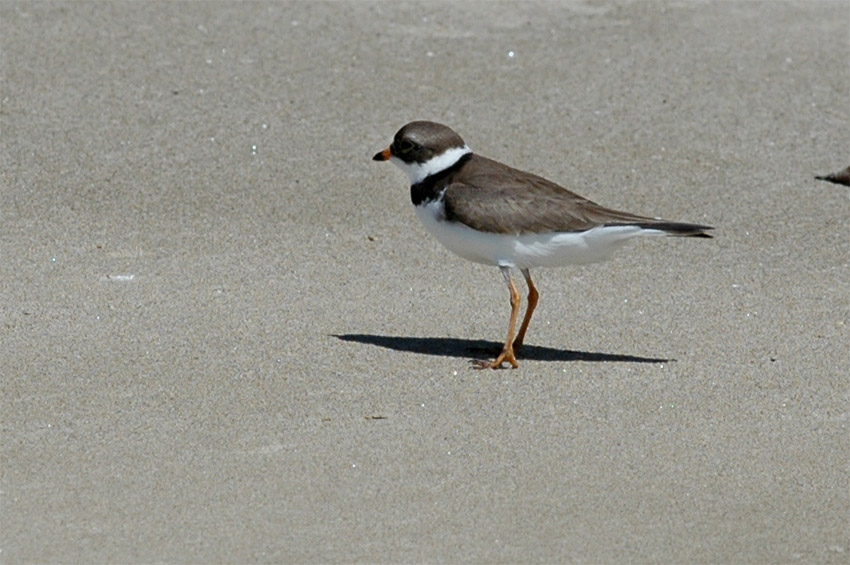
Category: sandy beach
[227,339]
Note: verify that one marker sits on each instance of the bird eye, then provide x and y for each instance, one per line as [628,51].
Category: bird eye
[405,146]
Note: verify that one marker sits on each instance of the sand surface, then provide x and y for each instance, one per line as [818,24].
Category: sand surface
[226,338]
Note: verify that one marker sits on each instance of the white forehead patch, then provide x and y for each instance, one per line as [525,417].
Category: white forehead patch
[420,171]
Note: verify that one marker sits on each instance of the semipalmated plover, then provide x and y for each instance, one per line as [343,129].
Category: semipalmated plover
[493,214]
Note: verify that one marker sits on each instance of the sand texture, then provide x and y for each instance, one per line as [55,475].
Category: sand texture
[227,339]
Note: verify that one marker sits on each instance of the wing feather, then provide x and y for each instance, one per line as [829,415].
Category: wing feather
[499,199]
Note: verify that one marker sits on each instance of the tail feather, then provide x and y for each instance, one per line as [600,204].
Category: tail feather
[678,229]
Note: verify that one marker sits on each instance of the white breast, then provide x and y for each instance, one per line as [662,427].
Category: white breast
[553,249]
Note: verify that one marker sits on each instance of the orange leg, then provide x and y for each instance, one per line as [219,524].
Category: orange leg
[533,295]
[507,354]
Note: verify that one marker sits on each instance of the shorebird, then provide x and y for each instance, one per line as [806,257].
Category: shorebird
[490,213]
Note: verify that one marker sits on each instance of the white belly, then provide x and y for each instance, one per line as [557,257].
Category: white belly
[553,249]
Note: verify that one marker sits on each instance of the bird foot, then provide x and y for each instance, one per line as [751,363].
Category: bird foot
[507,356]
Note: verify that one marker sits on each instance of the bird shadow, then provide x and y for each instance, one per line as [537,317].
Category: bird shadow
[483,349]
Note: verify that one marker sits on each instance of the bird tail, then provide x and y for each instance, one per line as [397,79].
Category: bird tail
[678,229]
